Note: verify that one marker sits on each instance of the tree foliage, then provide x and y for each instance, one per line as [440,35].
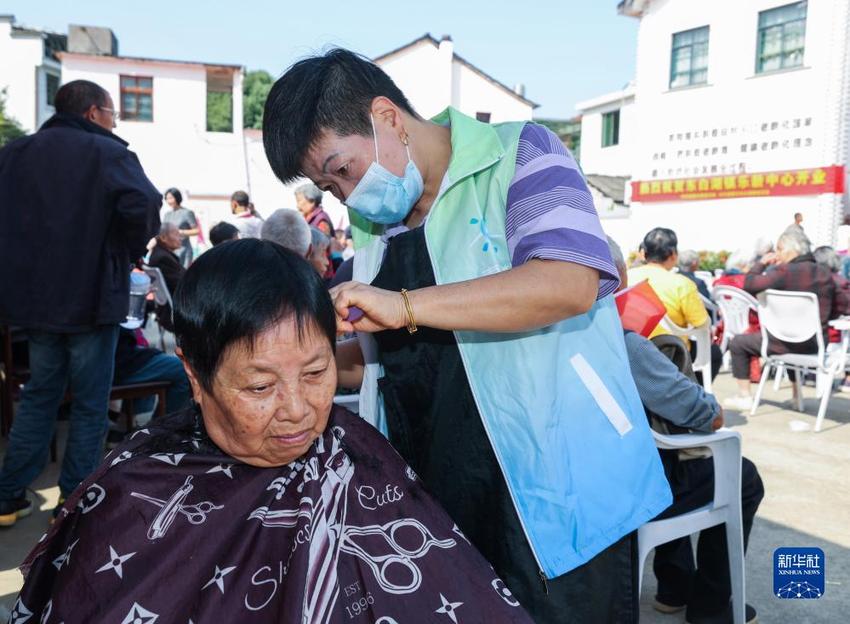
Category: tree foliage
[255,89]
[219,111]
[10,129]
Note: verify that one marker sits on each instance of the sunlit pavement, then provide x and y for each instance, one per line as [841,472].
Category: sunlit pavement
[807,503]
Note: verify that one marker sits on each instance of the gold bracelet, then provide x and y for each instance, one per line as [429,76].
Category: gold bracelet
[411,321]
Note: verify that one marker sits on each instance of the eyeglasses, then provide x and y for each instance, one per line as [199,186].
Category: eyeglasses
[115,114]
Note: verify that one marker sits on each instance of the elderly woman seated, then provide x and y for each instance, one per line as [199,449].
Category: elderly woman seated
[263,502]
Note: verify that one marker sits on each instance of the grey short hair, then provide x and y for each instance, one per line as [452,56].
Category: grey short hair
[167,228]
[739,260]
[616,254]
[827,256]
[763,245]
[796,241]
[319,239]
[310,192]
[288,229]
[687,258]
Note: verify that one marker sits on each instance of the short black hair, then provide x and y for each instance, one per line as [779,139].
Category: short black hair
[78,96]
[659,244]
[333,91]
[178,196]
[241,198]
[234,292]
[223,232]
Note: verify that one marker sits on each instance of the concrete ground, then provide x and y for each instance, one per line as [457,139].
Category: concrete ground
[807,503]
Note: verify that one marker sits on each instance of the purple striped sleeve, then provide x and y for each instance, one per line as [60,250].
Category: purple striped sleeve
[550,213]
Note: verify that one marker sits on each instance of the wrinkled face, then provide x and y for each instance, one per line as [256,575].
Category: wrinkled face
[172,239]
[304,205]
[169,199]
[337,163]
[319,258]
[268,404]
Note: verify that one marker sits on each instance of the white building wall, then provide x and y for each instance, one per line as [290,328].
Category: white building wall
[795,118]
[20,60]
[477,94]
[431,84]
[175,149]
[614,160]
[421,77]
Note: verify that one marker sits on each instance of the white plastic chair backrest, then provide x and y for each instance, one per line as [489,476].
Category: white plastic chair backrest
[792,316]
[705,276]
[700,335]
[735,305]
[711,308]
[158,286]
[725,446]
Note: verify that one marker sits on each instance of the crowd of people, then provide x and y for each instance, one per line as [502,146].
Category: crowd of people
[521,413]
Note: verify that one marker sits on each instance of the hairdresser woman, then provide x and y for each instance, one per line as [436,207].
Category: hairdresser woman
[490,350]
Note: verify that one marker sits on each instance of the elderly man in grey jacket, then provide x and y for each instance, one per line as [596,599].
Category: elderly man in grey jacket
[703,589]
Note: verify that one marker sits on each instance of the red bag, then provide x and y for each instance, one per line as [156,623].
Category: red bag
[640,308]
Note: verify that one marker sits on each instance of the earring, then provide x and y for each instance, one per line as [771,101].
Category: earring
[405,140]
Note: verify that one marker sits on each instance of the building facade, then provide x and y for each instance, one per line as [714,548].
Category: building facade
[30,72]
[433,78]
[740,118]
[183,119]
[607,129]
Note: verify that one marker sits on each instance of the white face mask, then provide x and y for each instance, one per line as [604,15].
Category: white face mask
[383,197]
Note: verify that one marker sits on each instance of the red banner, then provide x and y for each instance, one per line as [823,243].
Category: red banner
[789,182]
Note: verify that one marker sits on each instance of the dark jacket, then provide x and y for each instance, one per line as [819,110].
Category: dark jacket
[172,271]
[76,209]
[169,264]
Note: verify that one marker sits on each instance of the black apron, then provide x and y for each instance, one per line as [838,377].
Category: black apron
[434,424]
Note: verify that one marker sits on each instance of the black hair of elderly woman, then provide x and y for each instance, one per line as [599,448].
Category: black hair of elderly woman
[215,308]
[264,502]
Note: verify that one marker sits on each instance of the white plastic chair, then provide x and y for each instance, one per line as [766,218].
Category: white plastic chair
[794,317]
[160,294]
[706,276]
[702,337]
[711,308]
[735,306]
[725,508]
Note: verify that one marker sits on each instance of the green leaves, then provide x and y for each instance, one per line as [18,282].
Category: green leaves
[255,89]
[10,129]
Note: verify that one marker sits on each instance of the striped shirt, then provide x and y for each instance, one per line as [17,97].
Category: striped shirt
[550,213]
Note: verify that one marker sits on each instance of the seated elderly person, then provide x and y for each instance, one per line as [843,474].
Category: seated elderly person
[678,294]
[264,502]
[688,265]
[790,267]
[703,589]
[734,273]
[164,257]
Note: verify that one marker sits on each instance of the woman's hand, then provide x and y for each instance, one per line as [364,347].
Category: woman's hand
[382,309]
